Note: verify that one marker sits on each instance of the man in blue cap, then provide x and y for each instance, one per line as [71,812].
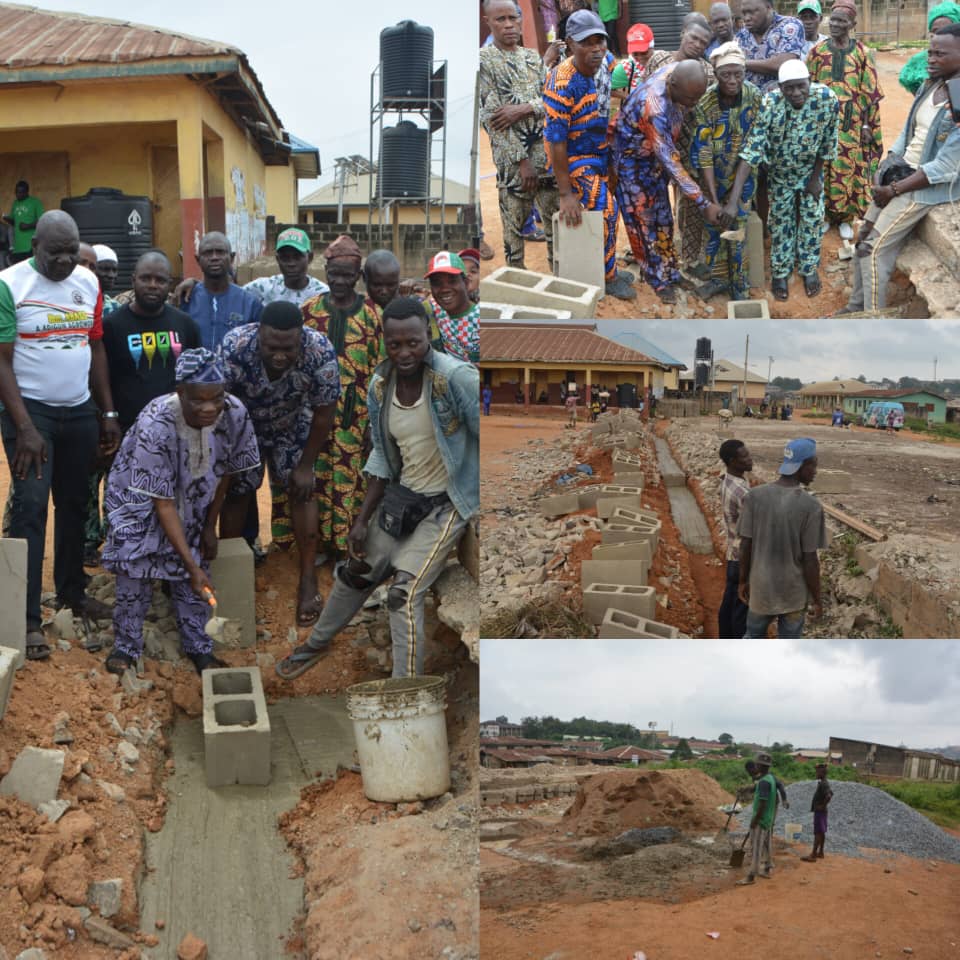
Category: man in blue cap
[781,528]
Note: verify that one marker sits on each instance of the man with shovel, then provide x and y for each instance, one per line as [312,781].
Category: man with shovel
[761,819]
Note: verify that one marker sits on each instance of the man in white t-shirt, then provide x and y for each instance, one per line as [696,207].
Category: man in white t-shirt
[51,353]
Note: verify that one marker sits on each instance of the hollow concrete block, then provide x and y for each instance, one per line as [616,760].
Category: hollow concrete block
[578,251]
[8,667]
[621,624]
[587,497]
[624,456]
[13,596]
[232,577]
[629,550]
[623,533]
[607,505]
[600,597]
[527,288]
[558,505]
[635,515]
[510,311]
[633,573]
[748,310]
[236,727]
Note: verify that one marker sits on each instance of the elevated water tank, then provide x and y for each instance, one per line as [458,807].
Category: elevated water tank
[123,222]
[663,17]
[404,162]
[406,53]
[627,395]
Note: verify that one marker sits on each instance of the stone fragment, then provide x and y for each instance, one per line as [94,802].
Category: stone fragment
[192,948]
[106,896]
[128,752]
[53,810]
[35,776]
[102,932]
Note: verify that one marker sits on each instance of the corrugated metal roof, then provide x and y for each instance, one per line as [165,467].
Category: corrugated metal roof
[893,394]
[30,37]
[553,343]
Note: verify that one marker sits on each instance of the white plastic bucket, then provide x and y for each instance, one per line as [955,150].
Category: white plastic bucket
[401,733]
[792,830]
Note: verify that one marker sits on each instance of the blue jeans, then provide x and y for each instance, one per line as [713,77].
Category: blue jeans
[71,435]
[789,625]
[732,616]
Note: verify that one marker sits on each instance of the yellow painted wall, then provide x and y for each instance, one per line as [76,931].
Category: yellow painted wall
[408,214]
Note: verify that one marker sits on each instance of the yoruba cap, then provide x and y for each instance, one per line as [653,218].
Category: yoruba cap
[795,452]
[294,237]
[344,247]
[104,253]
[199,365]
[583,24]
[639,38]
[728,53]
[792,69]
[446,262]
[813,5]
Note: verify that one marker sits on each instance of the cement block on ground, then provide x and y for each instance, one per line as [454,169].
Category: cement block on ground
[619,490]
[607,505]
[600,597]
[236,727]
[599,430]
[621,624]
[748,310]
[632,441]
[510,311]
[755,251]
[622,456]
[527,288]
[632,573]
[831,481]
[611,440]
[578,251]
[232,577]
[624,533]
[635,515]
[587,496]
[8,667]
[34,777]
[13,596]
[621,552]
[559,505]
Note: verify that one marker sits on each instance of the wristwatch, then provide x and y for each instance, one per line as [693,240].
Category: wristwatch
[110,415]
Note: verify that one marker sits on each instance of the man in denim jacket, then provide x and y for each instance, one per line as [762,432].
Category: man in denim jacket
[929,144]
[424,424]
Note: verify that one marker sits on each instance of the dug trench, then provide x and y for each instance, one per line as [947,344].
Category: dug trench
[138,851]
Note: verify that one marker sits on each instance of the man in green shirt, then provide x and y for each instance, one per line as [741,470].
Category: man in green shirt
[761,819]
[23,217]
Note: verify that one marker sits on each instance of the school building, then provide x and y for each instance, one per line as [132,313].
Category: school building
[924,404]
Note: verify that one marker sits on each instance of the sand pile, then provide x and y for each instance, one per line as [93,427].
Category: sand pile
[610,803]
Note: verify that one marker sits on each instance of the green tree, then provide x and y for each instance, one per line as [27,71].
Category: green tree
[682,751]
[726,738]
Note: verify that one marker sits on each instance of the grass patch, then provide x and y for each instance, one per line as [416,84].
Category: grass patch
[538,618]
[942,431]
[940,802]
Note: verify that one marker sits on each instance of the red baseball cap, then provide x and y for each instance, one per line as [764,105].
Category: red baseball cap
[446,262]
[471,253]
[639,38]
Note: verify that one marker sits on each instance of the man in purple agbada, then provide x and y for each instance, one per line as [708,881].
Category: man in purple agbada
[168,484]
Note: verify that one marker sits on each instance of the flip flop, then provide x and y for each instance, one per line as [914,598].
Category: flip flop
[119,663]
[300,661]
[309,619]
[811,284]
[37,649]
[779,288]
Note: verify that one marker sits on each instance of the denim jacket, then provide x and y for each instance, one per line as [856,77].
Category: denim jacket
[940,156]
[454,390]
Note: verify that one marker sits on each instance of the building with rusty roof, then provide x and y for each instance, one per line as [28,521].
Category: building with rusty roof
[89,102]
[535,363]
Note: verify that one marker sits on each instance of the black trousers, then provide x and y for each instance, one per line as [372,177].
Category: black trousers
[732,618]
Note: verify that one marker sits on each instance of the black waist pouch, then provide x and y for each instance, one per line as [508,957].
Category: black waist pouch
[895,173]
[402,509]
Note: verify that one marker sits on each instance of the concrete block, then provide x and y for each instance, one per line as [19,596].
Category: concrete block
[527,288]
[623,533]
[236,727]
[632,441]
[624,460]
[831,481]
[600,597]
[578,251]
[607,505]
[13,596]
[34,776]
[587,497]
[620,624]
[599,430]
[755,252]
[748,310]
[8,666]
[619,490]
[609,441]
[558,505]
[635,515]
[632,573]
[232,577]
[629,550]
[510,311]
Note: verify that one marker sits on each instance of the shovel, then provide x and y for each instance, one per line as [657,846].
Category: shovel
[736,856]
[733,810]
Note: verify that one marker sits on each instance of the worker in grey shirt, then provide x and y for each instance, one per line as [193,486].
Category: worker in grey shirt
[781,528]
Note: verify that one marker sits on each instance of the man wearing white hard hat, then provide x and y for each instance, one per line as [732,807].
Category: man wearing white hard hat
[794,134]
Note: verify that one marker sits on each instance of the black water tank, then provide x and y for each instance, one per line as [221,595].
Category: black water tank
[404,162]
[406,53]
[663,17]
[123,222]
[704,348]
[626,395]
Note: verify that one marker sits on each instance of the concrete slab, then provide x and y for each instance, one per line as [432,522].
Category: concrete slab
[578,251]
[527,288]
[8,666]
[690,521]
[236,727]
[670,470]
[559,505]
[34,777]
[219,867]
[232,577]
[632,573]
[511,311]
[600,597]
[13,596]
[621,552]
[620,624]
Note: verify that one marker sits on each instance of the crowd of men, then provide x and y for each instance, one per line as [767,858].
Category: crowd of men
[754,111]
[363,408]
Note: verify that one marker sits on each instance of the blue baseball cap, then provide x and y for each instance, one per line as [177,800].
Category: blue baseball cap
[795,452]
[584,23]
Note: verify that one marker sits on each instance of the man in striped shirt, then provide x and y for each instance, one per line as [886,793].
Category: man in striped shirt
[732,617]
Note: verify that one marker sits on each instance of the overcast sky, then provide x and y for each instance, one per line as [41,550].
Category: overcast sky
[314,61]
[896,691]
[811,349]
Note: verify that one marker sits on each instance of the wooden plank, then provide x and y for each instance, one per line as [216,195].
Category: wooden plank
[872,532]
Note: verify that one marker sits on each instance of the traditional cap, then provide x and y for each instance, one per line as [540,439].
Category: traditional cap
[199,365]
[446,262]
[763,758]
[583,24]
[847,5]
[104,252]
[792,69]
[813,5]
[471,253]
[294,237]
[343,247]
[727,53]
[795,452]
[639,38]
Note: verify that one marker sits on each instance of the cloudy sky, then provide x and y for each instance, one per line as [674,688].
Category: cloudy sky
[811,349]
[897,691]
[314,61]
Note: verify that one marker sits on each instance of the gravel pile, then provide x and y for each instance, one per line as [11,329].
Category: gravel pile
[863,816]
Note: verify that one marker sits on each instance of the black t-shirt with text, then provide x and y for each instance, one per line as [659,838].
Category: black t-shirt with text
[142,356]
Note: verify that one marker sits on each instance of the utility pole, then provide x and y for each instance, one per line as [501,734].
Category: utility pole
[746,355]
[934,371]
[769,369]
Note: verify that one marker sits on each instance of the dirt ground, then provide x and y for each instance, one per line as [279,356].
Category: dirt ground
[893,112]
[552,891]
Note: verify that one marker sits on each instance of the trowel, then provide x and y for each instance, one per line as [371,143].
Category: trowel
[215,625]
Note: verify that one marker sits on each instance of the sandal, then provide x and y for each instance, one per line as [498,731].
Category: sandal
[666,295]
[779,288]
[37,646]
[300,661]
[811,283]
[206,661]
[119,663]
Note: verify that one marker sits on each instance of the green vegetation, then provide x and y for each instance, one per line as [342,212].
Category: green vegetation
[938,801]
[847,545]
[942,431]
[613,734]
